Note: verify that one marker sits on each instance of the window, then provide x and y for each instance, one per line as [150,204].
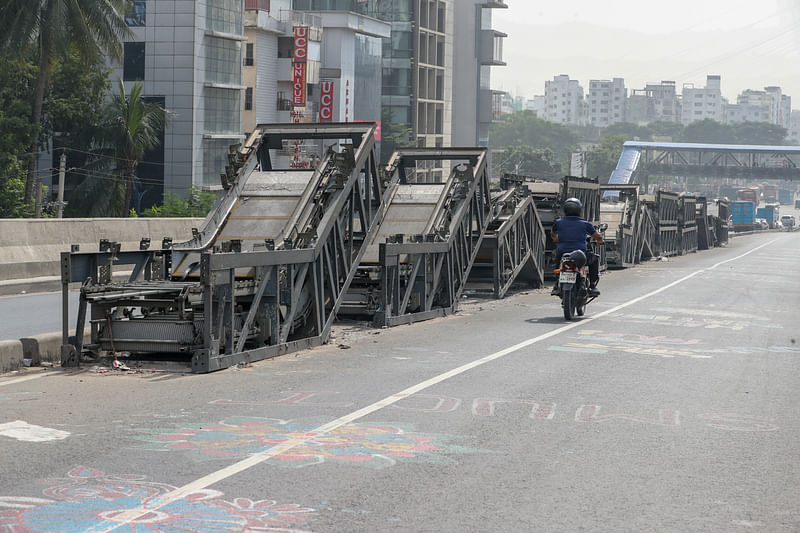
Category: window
[248,99]
[223,61]
[133,61]
[137,14]
[248,55]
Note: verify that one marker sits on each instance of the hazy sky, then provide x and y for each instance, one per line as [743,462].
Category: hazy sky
[751,44]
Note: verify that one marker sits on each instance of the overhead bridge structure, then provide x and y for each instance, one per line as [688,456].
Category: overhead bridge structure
[640,160]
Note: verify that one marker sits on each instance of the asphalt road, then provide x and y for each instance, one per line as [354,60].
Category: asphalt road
[671,406]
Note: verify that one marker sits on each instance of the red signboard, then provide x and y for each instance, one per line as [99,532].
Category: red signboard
[300,44]
[378,128]
[326,101]
[299,84]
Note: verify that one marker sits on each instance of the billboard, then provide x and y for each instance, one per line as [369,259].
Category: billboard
[300,44]
[299,84]
[326,101]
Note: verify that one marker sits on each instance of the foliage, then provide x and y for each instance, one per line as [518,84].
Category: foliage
[760,133]
[76,100]
[132,126]
[602,159]
[12,191]
[527,161]
[708,131]
[630,131]
[198,204]
[16,133]
[526,129]
[49,27]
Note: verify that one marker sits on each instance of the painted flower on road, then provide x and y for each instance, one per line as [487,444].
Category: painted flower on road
[88,500]
[298,443]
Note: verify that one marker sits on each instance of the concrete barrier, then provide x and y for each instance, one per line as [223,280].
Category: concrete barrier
[10,356]
[46,347]
[30,249]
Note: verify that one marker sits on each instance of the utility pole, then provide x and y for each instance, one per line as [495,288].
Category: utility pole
[37,210]
[62,171]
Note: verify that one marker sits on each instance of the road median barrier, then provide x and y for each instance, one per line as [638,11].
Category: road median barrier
[10,356]
[45,348]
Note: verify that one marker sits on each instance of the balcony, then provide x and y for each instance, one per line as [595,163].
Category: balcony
[491,48]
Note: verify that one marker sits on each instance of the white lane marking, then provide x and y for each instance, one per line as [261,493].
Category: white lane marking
[23,379]
[258,458]
[21,430]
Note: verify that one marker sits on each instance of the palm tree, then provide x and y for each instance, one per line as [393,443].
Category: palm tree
[95,27]
[132,127]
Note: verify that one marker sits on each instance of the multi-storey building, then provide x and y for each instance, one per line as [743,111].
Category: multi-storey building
[606,102]
[188,56]
[750,106]
[703,103]
[656,102]
[780,106]
[564,101]
[268,64]
[477,47]
[794,127]
[342,54]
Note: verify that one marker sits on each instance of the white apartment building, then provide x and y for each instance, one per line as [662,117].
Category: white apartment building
[537,104]
[564,102]
[703,103]
[656,102]
[794,127]
[606,102]
[769,105]
[780,106]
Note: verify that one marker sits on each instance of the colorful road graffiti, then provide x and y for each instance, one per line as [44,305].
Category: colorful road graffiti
[89,500]
[371,445]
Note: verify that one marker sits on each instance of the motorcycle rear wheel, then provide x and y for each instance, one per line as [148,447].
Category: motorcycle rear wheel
[569,298]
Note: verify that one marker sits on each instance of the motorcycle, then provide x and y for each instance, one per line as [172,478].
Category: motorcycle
[573,284]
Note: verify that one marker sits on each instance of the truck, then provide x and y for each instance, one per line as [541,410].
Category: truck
[748,194]
[743,215]
[769,213]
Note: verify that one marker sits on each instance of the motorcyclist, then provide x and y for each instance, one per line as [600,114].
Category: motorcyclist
[571,232]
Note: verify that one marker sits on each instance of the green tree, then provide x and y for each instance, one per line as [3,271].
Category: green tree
[662,128]
[16,132]
[527,161]
[198,204]
[526,129]
[132,127]
[760,133]
[630,131]
[602,159]
[708,131]
[94,27]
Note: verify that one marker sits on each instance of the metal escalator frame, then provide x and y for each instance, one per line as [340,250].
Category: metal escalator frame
[327,260]
[436,267]
[519,242]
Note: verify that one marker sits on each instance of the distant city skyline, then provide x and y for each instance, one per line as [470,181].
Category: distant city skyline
[749,48]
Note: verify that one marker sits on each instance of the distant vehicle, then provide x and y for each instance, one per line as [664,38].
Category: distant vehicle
[748,195]
[761,223]
[788,222]
[743,215]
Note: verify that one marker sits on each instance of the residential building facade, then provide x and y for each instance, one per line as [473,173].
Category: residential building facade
[656,102]
[703,103]
[564,102]
[607,102]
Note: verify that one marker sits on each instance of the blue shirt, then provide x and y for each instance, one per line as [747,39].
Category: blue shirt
[572,234]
